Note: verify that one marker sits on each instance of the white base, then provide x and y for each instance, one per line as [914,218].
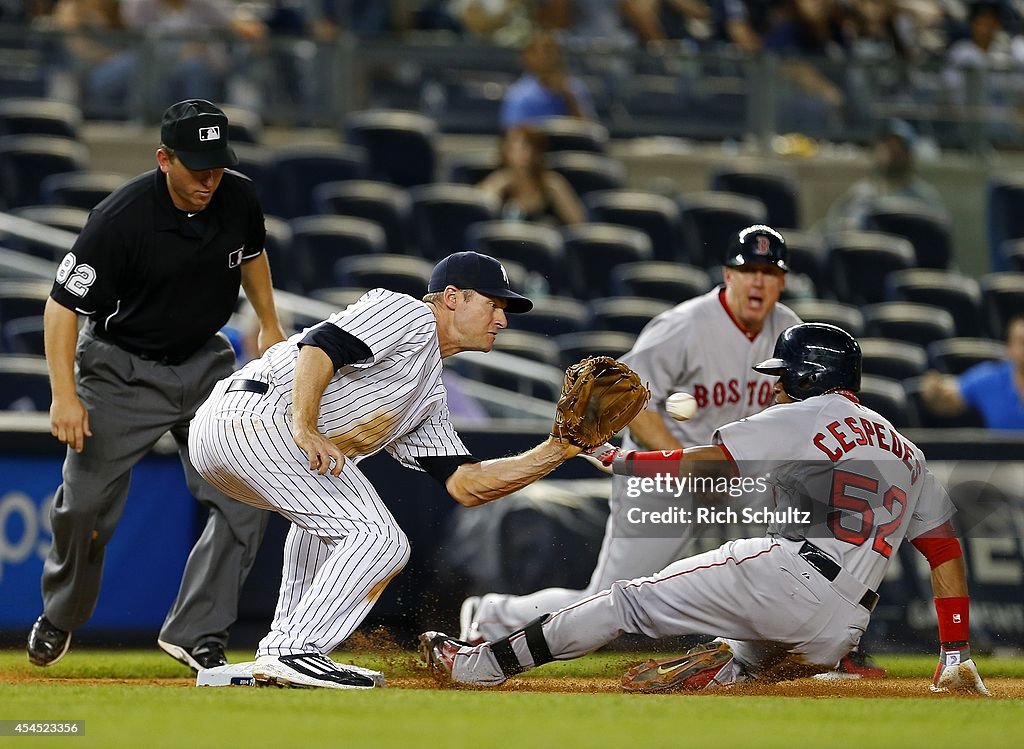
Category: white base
[231,675]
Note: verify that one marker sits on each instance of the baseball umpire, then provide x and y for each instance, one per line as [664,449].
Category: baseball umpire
[790,603]
[156,272]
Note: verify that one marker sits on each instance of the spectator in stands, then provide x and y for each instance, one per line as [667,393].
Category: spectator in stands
[529,191]
[894,174]
[994,389]
[190,69]
[743,22]
[807,34]
[545,89]
[504,22]
[103,69]
[873,31]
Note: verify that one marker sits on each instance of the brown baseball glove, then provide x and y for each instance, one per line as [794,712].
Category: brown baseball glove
[600,396]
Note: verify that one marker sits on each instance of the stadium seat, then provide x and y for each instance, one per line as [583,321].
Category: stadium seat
[777,190]
[254,163]
[24,383]
[538,248]
[889,399]
[20,299]
[897,360]
[472,167]
[922,324]
[24,336]
[408,275]
[669,282]
[401,145]
[442,213]
[375,201]
[533,346]
[593,251]
[293,173]
[927,230]
[574,134]
[959,294]
[79,189]
[26,160]
[956,355]
[1002,295]
[57,216]
[553,316]
[588,172]
[1004,220]
[845,316]
[40,117]
[860,261]
[1013,251]
[711,219]
[244,125]
[626,314]
[575,346]
[278,245]
[655,215]
[807,256]
[319,242]
[798,286]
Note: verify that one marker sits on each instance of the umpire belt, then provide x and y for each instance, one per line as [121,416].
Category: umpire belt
[842,580]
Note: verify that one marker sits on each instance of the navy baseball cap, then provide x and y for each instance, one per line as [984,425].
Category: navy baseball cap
[198,132]
[481,273]
[757,244]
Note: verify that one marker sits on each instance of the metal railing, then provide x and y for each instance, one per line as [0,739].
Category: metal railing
[705,94]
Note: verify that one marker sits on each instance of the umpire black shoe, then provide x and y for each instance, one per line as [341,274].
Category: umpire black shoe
[209,654]
[46,643]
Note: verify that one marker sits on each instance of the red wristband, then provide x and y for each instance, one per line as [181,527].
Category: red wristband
[954,618]
[655,463]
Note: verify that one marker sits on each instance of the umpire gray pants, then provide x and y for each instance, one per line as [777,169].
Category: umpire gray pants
[132,402]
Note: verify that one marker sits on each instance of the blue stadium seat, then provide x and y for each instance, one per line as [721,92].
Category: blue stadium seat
[553,316]
[588,172]
[24,336]
[1002,296]
[845,316]
[408,275]
[669,282]
[956,355]
[574,134]
[26,160]
[959,294]
[1004,209]
[375,201]
[40,117]
[626,314]
[575,346]
[776,189]
[79,189]
[927,231]
[594,250]
[24,383]
[539,248]
[655,215]
[294,173]
[711,219]
[921,324]
[897,360]
[319,242]
[860,262]
[441,214]
[401,145]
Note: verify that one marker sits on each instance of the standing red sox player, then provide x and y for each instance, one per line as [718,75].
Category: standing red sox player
[790,603]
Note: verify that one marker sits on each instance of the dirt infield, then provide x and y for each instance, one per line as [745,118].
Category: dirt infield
[1001,688]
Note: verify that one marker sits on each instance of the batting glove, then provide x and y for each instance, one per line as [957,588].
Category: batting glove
[602,456]
[956,672]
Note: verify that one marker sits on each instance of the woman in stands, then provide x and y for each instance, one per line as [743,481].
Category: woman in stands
[528,190]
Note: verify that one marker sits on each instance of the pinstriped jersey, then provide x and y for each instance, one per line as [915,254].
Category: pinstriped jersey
[394,400]
[698,347]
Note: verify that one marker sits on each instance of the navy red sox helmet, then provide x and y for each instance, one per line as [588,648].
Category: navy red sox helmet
[757,244]
[814,358]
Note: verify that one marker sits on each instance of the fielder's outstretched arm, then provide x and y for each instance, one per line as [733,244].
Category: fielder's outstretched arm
[475,484]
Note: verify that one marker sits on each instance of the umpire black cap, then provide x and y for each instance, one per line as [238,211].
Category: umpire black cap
[481,273]
[757,244]
[197,131]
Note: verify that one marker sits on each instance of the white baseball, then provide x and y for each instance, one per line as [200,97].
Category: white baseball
[681,406]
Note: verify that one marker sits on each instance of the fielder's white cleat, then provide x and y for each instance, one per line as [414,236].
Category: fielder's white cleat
[231,675]
[313,670]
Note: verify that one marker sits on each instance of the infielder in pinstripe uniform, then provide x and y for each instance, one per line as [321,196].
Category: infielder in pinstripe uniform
[288,431]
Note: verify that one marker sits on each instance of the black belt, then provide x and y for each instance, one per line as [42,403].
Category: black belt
[249,386]
[824,564]
[166,359]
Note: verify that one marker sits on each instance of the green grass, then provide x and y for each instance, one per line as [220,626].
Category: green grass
[122,713]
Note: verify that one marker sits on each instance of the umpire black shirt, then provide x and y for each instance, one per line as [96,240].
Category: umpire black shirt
[155,280]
